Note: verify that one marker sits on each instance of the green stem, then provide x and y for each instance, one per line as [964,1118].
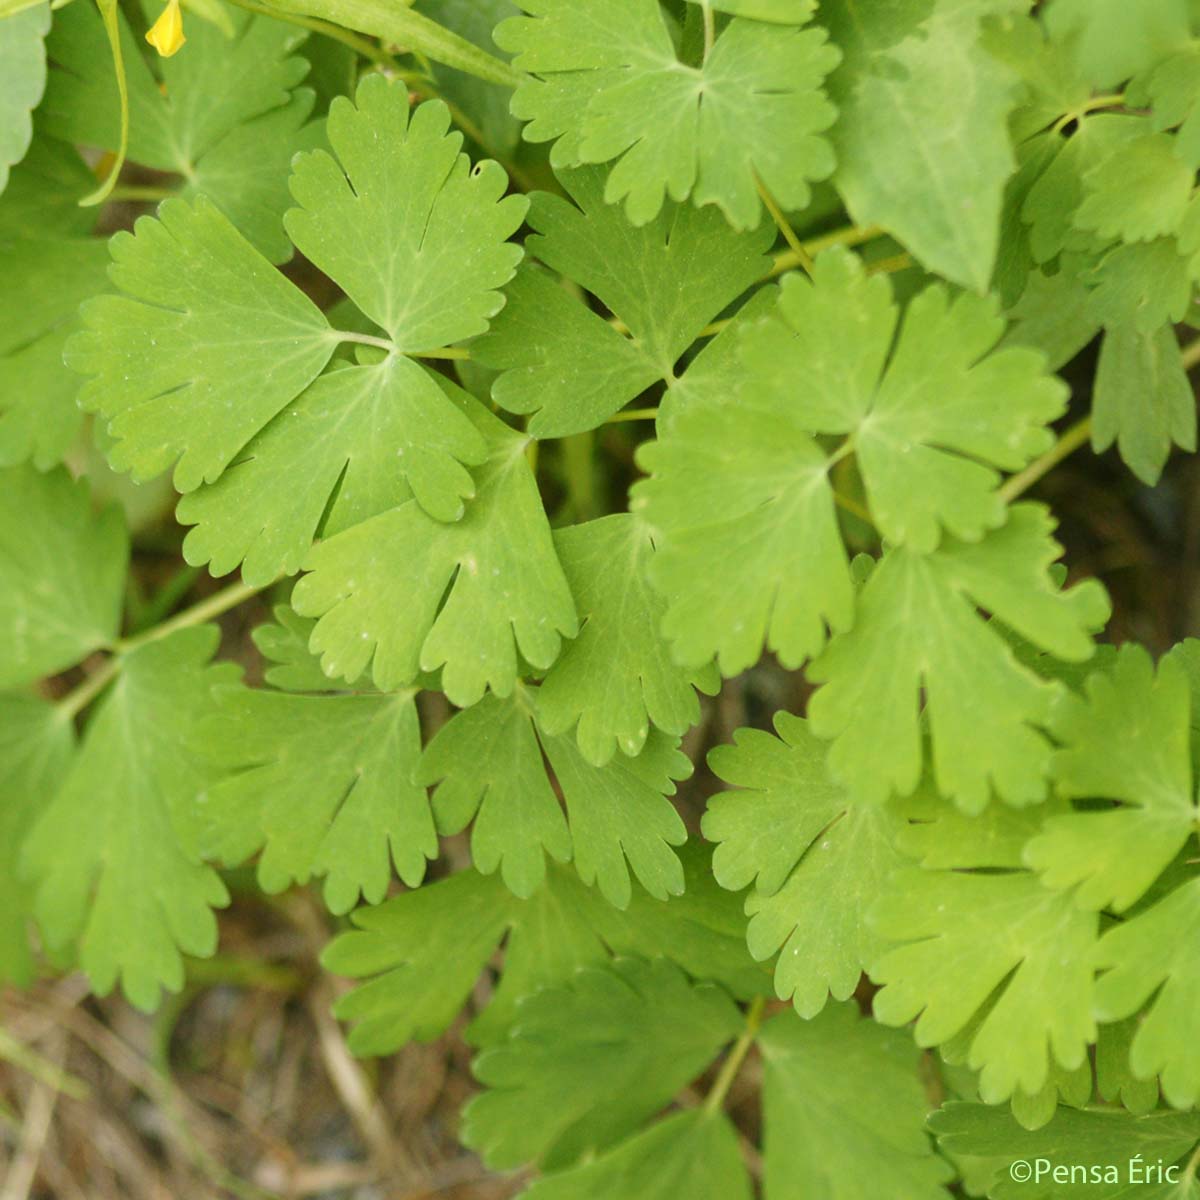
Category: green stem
[458,353]
[1113,100]
[75,701]
[733,1063]
[363,339]
[850,235]
[632,414]
[402,26]
[364,46]
[108,15]
[709,28]
[802,256]
[1066,445]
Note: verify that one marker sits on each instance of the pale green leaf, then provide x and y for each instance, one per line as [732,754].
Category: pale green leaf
[489,762]
[917,629]
[931,415]
[693,1154]
[1138,192]
[1125,740]
[404,593]
[969,935]
[225,120]
[608,84]
[664,281]
[201,313]
[1111,40]
[922,125]
[423,951]
[1110,1141]
[587,1062]
[1142,399]
[1153,959]
[617,677]
[414,235]
[818,860]
[47,278]
[22,81]
[36,746]
[116,853]
[844,1111]
[322,786]
[62,574]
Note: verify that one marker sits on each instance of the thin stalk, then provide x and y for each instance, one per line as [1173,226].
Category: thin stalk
[76,700]
[849,235]
[733,1063]
[853,507]
[709,28]
[1066,445]
[361,45]
[1113,100]
[802,256]
[364,339]
[632,414]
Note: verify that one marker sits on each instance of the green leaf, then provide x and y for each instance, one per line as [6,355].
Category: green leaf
[587,1062]
[608,84]
[969,935]
[1054,198]
[322,786]
[844,1110]
[1109,1140]
[1054,316]
[225,119]
[693,1154]
[398,25]
[49,277]
[923,111]
[1153,958]
[616,677]
[928,426]
[664,282]
[399,263]
[62,574]
[202,312]
[115,854]
[422,952]
[44,190]
[489,761]
[426,269]
[403,592]
[486,103]
[284,643]
[1138,192]
[1115,1081]
[364,439]
[22,81]
[817,859]
[1125,740]
[1171,89]
[1144,286]
[1112,40]
[36,746]
[1142,399]
[917,624]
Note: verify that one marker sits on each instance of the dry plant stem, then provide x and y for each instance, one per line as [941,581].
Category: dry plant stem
[1066,445]
[35,1128]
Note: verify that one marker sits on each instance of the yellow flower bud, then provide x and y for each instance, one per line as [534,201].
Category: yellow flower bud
[166,35]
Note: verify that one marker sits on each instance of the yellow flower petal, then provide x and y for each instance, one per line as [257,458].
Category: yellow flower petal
[166,35]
